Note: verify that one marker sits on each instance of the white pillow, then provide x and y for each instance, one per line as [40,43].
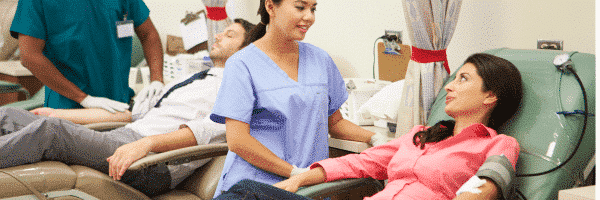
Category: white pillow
[384,104]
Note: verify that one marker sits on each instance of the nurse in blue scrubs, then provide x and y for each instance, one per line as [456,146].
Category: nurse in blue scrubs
[279,99]
[81,50]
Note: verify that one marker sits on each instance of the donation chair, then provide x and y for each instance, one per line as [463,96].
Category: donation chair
[549,124]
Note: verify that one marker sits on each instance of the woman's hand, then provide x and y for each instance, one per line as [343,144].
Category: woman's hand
[290,185]
[125,155]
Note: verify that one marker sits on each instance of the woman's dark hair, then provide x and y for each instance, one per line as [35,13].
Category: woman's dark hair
[499,76]
[247,27]
[261,28]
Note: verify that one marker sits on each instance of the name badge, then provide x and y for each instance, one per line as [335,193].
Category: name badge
[125,29]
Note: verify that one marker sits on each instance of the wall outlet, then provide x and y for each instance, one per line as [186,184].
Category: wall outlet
[397,34]
[550,44]
[391,41]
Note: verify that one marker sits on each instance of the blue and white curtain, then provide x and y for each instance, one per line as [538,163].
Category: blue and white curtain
[431,24]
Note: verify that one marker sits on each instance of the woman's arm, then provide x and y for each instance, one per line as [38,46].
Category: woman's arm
[84,116]
[489,190]
[251,150]
[341,128]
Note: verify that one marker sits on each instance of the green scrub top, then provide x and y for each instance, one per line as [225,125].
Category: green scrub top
[81,41]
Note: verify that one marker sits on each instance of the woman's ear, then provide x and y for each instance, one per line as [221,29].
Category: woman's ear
[490,99]
[270,7]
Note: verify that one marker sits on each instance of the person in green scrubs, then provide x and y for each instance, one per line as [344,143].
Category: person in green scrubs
[81,50]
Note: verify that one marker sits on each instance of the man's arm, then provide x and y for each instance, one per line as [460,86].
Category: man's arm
[33,59]
[85,115]
[152,46]
[125,155]
[341,128]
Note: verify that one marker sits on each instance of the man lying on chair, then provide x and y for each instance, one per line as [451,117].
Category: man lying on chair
[177,118]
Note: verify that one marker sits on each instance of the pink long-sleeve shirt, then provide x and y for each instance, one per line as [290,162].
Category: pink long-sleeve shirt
[435,172]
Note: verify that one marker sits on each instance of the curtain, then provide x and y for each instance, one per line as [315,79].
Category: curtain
[431,24]
[217,19]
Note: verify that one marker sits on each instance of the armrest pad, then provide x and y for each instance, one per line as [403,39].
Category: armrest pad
[337,187]
[105,126]
[182,155]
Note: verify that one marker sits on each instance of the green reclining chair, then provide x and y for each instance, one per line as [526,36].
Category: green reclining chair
[549,123]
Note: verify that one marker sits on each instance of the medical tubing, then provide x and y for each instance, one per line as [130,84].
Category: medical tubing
[374,45]
[585,118]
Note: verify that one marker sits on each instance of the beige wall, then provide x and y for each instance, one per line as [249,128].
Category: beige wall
[166,14]
[488,24]
[346,29]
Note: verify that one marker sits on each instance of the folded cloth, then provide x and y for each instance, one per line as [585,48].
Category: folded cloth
[384,104]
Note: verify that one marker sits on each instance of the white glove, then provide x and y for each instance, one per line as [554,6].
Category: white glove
[104,103]
[149,91]
[471,186]
[297,170]
[140,109]
[379,139]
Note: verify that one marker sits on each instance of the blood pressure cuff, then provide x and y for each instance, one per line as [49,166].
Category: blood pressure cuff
[500,170]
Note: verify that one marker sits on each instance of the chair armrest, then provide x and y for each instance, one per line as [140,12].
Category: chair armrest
[34,102]
[182,155]
[339,187]
[105,126]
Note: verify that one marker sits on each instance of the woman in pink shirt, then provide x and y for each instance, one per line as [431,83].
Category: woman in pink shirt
[460,159]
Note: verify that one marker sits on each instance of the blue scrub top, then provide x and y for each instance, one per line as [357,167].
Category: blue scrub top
[81,41]
[290,118]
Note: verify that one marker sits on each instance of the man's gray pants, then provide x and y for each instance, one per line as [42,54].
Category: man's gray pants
[27,138]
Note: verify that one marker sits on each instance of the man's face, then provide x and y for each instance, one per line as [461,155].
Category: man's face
[228,42]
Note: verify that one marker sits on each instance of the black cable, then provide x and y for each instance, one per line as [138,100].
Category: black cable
[585,114]
[520,194]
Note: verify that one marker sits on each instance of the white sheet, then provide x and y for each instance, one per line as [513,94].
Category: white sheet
[384,104]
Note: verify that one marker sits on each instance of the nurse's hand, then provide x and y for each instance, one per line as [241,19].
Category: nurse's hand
[149,91]
[290,185]
[379,139]
[104,103]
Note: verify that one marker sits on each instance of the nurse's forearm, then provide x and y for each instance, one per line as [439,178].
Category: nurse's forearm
[152,46]
[343,129]
[252,151]
[34,60]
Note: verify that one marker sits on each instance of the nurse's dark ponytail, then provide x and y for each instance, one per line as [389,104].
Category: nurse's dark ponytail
[436,133]
[261,28]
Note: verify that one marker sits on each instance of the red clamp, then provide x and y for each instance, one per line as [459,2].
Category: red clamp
[216,13]
[428,56]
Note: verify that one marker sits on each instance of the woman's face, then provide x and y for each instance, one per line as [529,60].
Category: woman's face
[293,18]
[465,94]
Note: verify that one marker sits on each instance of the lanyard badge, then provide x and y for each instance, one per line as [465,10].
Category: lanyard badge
[125,28]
